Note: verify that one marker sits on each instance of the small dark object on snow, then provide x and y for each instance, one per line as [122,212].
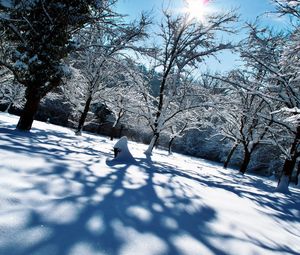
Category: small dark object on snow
[116,151]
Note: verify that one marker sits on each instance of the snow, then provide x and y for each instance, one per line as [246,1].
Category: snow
[59,196]
[123,153]
[293,3]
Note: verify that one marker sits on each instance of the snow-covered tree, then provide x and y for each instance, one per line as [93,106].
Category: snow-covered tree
[122,99]
[11,92]
[290,8]
[277,55]
[36,36]
[288,77]
[184,44]
[245,116]
[184,122]
[98,58]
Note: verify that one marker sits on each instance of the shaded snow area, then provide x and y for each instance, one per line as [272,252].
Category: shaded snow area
[58,196]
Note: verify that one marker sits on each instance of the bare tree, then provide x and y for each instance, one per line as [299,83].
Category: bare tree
[245,116]
[102,47]
[185,43]
[182,124]
[121,98]
[288,79]
[290,8]
[277,55]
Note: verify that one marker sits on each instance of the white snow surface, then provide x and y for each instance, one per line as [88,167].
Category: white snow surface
[58,196]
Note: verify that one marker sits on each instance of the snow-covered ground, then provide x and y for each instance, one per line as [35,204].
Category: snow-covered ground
[62,195]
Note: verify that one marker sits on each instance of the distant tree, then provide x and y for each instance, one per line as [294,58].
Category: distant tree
[102,47]
[36,36]
[191,104]
[245,116]
[121,99]
[11,92]
[184,122]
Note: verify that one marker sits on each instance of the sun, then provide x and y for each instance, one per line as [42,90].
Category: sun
[197,9]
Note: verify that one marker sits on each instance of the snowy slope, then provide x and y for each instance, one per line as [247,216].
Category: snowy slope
[59,196]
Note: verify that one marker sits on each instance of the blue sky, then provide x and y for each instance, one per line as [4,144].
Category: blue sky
[248,10]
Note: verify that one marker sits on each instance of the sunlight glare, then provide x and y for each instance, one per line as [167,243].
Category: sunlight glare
[197,9]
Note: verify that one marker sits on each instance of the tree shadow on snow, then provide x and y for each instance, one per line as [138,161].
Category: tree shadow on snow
[119,212]
[138,208]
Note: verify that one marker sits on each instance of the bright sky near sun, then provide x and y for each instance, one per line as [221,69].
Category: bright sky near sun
[248,10]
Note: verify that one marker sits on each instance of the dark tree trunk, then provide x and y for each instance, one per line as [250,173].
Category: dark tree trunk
[31,106]
[230,155]
[33,95]
[121,130]
[83,116]
[156,140]
[170,145]
[114,129]
[246,160]
[113,133]
[288,166]
[290,163]
[287,171]
[298,173]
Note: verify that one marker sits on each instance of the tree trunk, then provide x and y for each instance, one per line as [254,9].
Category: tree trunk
[170,145]
[298,174]
[83,116]
[289,165]
[246,160]
[285,178]
[112,133]
[31,106]
[152,144]
[8,107]
[121,130]
[114,129]
[230,155]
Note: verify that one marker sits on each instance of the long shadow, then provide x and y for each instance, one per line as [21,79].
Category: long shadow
[126,210]
[284,207]
[108,216]
[251,187]
[120,221]
[38,144]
